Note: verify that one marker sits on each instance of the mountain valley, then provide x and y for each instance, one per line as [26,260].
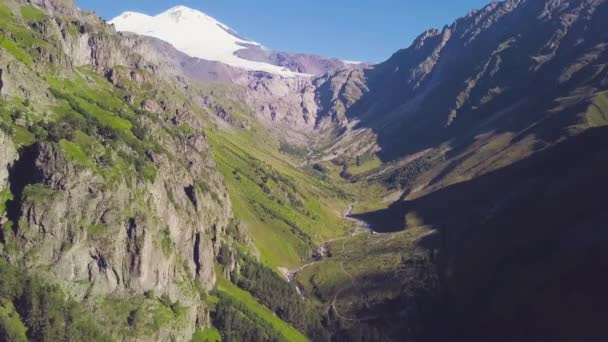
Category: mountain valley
[160,186]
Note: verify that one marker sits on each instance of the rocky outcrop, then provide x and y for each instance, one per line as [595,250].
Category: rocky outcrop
[338,92]
[102,233]
[285,101]
[58,6]
[129,237]
[16,80]
[8,155]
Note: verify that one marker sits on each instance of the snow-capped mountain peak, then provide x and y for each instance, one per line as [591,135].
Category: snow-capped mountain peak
[183,13]
[197,35]
[182,9]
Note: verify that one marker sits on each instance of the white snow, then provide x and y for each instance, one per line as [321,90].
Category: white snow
[197,35]
[352,62]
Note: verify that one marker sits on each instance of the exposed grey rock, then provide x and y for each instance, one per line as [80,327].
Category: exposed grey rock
[130,238]
[8,155]
[16,80]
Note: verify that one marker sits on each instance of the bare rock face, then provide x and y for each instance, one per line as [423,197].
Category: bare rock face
[101,236]
[8,155]
[57,6]
[286,101]
[18,80]
[300,108]
[130,237]
[338,92]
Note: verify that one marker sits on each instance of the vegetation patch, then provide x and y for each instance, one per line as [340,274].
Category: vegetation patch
[206,335]
[74,153]
[405,176]
[281,298]
[5,196]
[166,243]
[20,41]
[37,193]
[31,13]
[285,209]
[381,266]
[12,327]
[136,315]
[14,49]
[597,113]
[32,309]
[364,164]
[240,317]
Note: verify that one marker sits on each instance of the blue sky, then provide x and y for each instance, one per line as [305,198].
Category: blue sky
[360,30]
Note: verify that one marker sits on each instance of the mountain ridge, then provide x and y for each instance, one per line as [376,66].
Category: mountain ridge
[220,43]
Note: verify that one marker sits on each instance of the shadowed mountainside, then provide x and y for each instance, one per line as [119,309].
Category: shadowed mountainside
[515,66]
[523,248]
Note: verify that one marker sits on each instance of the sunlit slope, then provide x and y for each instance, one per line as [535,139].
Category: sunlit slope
[287,210]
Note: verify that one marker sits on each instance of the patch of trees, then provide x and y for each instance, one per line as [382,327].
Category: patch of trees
[282,298]
[405,176]
[32,310]
[237,323]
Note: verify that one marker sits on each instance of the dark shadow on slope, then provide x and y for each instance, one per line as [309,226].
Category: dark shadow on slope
[21,174]
[384,221]
[509,94]
[524,250]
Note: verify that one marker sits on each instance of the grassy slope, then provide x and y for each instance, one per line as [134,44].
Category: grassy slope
[357,264]
[286,210]
[597,114]
[228,289]
[207,335]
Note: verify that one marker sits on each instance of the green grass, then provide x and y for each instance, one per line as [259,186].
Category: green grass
[206,335]
[286,210]
[597,114]
[356,265]
[89,103]
[23,137]
[74,153]
[26,42]
[37,193]
[95,100]
[139,316]
[11,323]
[97,231]
[5,13]
[224,287]
[14,49]
[5,196]
[366,165]
[12,110]
[31,13]
[166,243]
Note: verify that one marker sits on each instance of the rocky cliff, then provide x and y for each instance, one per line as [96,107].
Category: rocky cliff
[109,187]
